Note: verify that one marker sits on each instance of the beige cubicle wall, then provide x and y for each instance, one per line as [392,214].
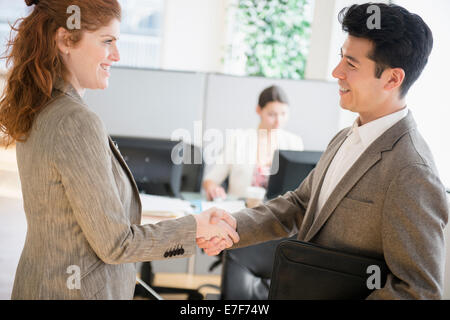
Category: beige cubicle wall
[156,103]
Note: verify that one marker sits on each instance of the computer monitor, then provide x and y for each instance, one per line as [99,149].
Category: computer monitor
[150,162]
[293,168]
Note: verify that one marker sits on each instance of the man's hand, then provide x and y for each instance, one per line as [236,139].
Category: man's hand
[217,233]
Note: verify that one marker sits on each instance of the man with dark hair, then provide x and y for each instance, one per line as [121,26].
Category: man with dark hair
[376,190]
[403,39]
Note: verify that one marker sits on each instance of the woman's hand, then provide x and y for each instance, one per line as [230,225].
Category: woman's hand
[213,191]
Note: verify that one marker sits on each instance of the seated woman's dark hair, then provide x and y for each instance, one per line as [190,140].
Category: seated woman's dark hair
[272,94]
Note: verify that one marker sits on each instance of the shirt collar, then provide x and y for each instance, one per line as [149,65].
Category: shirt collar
[371,131]
[67,88]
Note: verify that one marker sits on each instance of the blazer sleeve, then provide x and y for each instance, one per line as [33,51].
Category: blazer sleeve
[83,159]
[278,218]
[414,217]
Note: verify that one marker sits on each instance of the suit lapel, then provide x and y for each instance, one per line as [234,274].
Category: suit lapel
[320,171]
[366,161]
[356,172]
[127,170]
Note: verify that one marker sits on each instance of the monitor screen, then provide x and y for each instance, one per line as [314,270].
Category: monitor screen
[150,162]
[289,169]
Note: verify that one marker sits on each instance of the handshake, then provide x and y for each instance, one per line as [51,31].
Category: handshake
[216,231]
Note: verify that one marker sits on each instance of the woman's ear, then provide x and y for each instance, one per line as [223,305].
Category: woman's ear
[63,40]
[258,110]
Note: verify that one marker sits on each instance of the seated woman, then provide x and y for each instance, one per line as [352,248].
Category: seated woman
[259,144]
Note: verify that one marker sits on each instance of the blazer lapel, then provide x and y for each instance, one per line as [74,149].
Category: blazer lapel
[127,170]
[320,170]
[366,161]
[361,166]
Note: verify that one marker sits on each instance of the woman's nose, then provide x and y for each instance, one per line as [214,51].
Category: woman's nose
[115,55]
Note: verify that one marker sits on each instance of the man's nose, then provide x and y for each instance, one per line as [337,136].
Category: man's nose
[338,73]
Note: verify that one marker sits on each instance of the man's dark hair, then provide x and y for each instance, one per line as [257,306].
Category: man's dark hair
[272,94]
[403,41]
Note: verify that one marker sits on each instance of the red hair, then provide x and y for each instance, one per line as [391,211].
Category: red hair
[36,63]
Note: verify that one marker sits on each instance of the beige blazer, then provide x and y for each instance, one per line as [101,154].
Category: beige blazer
[390,204]
[238,161]
[83,211]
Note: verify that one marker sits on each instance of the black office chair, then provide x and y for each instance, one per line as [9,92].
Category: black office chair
[246,272]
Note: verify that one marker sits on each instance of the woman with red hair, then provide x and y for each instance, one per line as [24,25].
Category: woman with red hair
[81,202]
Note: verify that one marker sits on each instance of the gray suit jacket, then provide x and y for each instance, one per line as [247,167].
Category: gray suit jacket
[83,210]
[390,204]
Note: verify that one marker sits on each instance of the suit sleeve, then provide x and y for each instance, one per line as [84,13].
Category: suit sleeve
[414,217]
[83,159]
[278,218]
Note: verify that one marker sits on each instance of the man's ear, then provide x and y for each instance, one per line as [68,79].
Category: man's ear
[396,76]
[63,40]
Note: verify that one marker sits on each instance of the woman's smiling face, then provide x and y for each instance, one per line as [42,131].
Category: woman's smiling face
[89,60]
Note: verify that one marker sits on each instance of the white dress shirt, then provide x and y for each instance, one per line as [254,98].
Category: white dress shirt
[242,150]
[357,141]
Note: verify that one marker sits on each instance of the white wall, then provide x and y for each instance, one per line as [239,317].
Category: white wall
[428,98]
[194,35]
[149,103]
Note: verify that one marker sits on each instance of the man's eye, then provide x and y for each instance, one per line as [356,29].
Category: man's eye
[108,41]
[351,65]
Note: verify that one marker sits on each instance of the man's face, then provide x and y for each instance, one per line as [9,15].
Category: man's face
[359,89]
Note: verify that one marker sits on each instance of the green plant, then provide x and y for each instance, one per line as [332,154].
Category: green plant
[276,36]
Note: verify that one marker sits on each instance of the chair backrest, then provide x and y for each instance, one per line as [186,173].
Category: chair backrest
[246,272]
